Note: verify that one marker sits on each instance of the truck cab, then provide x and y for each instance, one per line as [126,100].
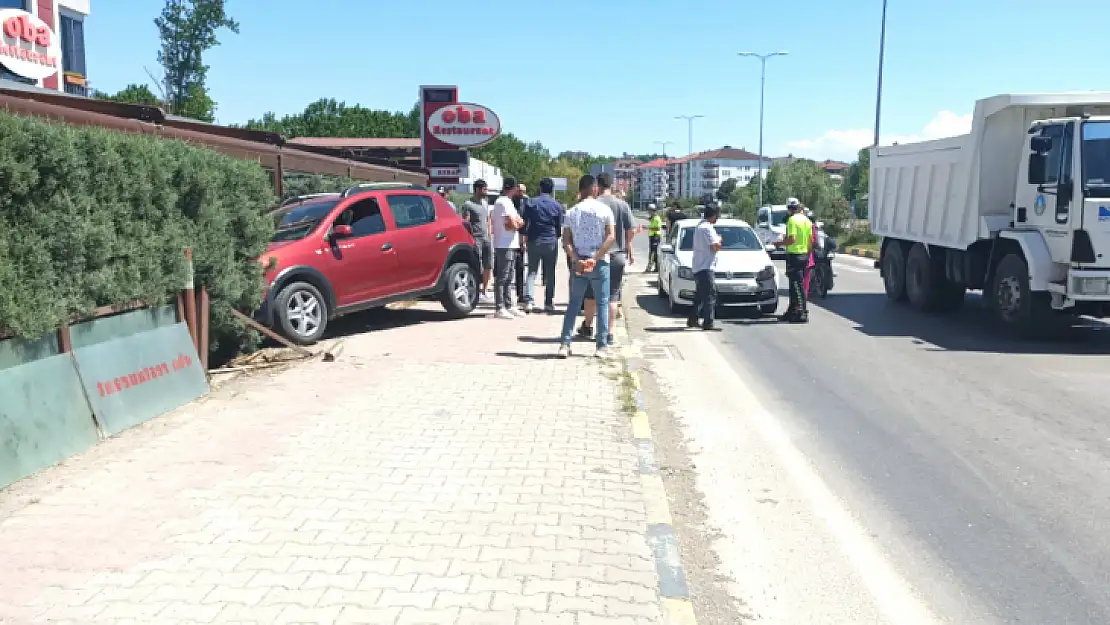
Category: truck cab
[1066,197]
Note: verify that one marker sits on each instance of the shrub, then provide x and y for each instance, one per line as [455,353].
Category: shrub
[92,217]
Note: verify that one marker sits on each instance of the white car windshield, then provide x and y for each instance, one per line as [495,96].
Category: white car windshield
[732,238]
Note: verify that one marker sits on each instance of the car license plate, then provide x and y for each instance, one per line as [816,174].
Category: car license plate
[735,288]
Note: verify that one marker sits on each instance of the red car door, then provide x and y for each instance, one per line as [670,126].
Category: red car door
[364,265]
[421,241]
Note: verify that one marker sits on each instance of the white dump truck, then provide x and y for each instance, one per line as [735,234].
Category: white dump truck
[1019,208]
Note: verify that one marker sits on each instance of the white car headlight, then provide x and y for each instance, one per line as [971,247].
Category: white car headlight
[685,273]
[767,273]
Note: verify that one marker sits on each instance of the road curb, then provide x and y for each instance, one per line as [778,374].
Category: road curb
[674,594]
[862,253]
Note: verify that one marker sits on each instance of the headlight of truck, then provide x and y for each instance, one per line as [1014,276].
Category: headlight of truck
[685,273]
[767,273]
[1091,286]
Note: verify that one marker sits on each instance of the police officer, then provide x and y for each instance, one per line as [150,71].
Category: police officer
[655,227]
[798,243]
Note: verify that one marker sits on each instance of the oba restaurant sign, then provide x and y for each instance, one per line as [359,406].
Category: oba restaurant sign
[28,47]
[464,125]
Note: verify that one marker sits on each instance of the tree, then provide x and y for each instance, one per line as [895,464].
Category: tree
[724,192]
[857,182]
[131,94]
[328,118]
[187,29]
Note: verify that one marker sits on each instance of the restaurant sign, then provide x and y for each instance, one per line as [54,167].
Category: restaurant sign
[28,46]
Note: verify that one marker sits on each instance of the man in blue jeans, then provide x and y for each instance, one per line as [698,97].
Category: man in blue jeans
[588,233]
[543,222]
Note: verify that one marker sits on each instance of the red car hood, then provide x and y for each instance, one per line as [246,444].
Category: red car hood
[278,245]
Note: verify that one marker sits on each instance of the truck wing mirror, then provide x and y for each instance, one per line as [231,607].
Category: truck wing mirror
[1038,168]
[1040,144]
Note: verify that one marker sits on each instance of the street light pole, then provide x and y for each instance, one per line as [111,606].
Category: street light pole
[690,130]
[762,85]
[879,88]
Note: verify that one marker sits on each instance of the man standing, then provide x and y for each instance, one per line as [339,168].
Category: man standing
[476,214]
[587,236]
[706,245]
[674,214]
[655,227]
[619,257]
[798,241]
[442,190]
[506,223]
[520,202]
[543,219]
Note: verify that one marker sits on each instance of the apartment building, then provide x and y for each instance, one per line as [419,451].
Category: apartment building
[43,44]
[703,173]
[652,182]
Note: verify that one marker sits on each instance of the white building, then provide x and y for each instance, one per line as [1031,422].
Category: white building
[652,180]
[705,172]
[484,171]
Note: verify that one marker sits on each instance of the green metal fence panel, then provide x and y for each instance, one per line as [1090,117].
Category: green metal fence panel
[44,417]
[106,329]
[133,379]
[15,352]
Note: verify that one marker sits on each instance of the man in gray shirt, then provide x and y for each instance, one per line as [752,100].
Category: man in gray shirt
[475,213]
[620,255]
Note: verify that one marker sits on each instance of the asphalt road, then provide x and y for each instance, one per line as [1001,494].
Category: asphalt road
[979,464]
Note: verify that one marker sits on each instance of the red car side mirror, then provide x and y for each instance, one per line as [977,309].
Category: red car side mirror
[341,231]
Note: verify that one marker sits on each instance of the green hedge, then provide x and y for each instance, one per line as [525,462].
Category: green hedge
[92,217]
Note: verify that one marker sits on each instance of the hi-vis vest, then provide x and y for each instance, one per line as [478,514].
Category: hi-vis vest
[801,228]
[654,226]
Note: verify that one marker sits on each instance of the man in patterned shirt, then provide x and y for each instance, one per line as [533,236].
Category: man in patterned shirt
[588,233]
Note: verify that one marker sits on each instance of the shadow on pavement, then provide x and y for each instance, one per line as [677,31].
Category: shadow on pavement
[385,319]
[971,329]
[551,356]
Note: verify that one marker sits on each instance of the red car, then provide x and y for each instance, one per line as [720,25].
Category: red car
[338,253]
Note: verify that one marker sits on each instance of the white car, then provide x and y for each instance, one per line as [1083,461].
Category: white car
[745,275]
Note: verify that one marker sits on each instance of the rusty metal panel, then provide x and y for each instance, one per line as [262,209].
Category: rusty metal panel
[133,379]
[17,351]
[104,329]
[44,417]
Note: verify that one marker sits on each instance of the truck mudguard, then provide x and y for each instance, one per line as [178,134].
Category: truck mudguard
[1037,256]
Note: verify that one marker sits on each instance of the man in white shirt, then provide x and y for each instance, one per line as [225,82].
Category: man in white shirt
[706,245]
[505,221]
[588,233]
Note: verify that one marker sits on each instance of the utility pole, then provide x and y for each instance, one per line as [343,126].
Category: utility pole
[879,88]
[762,86]
[690,130]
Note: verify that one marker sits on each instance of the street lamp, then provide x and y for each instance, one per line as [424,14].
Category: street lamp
[879,88]
[690,130]
[762,84]
[664,144]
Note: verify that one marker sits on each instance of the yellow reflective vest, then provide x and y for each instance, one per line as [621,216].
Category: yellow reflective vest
[801,228]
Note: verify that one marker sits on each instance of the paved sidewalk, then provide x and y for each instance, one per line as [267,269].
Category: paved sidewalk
[441,472]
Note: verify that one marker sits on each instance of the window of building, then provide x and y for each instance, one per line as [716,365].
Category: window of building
[13,4]
[73,45]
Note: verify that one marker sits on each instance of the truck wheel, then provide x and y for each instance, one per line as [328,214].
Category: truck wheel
[1024,312]
[921,282]
[894,271]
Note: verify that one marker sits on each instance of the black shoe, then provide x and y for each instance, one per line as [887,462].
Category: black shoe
[788,316]
[585,332]
[708,326]
[800,318]
[691,323]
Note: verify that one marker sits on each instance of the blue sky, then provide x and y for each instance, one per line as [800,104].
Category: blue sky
[610,77]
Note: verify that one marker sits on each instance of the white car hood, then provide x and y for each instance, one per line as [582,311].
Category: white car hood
[736,261]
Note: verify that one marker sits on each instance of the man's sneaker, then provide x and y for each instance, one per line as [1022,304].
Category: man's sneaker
[585,332]
[516,312]
[533,308]
[602,352]
[550,309]
[564,350]
[609,340]
[504,314]
[691,323]
[485,298]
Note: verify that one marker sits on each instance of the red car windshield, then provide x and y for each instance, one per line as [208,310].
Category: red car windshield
[295,222]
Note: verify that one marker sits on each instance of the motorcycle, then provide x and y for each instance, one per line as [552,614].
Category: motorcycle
[822,276]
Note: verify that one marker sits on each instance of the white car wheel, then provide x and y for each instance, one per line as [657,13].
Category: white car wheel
[674,306]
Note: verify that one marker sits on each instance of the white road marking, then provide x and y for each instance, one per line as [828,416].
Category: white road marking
[892,594]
